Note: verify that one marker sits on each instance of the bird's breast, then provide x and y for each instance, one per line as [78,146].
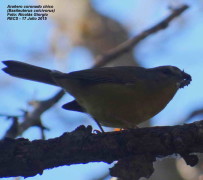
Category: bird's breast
[124,106]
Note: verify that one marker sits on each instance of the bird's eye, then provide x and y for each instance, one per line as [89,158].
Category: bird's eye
[166,71]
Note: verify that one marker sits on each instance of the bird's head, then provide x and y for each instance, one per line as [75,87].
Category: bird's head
[172,74]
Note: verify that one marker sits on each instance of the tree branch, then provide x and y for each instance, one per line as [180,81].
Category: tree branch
[33,118]
[128,45]
[132,148]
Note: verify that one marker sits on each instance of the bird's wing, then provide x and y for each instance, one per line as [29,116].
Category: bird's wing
[117,75]
[73,106]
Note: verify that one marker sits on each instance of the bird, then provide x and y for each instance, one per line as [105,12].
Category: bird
[117,97]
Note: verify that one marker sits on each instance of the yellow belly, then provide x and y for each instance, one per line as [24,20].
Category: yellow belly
[124,106]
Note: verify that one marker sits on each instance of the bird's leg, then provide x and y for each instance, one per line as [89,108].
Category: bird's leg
[100,127]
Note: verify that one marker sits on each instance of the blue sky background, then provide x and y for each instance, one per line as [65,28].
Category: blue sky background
[179,45]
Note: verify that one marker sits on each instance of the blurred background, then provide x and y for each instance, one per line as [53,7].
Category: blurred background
[71,39]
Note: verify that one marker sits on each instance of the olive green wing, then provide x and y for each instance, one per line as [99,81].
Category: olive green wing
[117,75]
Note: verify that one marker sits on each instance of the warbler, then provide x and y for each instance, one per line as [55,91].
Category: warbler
[119,97]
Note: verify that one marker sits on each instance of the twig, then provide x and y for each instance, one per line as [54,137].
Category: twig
[33,118]
[129,44]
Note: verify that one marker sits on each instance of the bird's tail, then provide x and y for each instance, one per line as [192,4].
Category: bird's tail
[27,71]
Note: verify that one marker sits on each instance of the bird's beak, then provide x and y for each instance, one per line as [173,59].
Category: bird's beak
[186,79]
